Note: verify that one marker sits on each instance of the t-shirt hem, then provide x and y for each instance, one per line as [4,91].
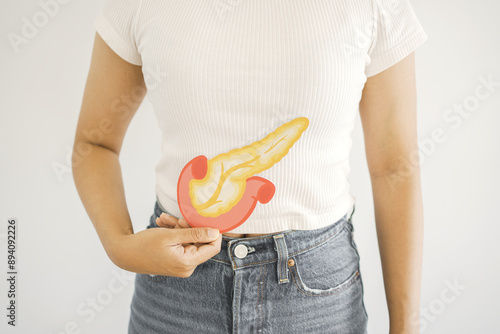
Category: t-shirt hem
[284,222]
[397,53]
[279,222]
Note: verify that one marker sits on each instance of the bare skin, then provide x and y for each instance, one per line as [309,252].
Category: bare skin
[97,174]
[101,128]
[388,115]
[388,112]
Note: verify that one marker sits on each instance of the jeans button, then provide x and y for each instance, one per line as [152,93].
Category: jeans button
[240,251]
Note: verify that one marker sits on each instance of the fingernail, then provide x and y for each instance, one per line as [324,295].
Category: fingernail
[213,233]
[164,214]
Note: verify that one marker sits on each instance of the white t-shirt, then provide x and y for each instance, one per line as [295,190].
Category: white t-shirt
[224,75]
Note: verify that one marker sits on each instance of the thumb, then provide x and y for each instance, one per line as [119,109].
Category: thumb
[194,235]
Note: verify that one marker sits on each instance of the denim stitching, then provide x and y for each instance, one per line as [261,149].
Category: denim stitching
[257,238]
[278,263]
[342,286]
[281,253]
[260,289]
[161,210]
[238,305]
[267,261]
[231,255]
[219,260]
[298,252]
[261,305]
[319,243]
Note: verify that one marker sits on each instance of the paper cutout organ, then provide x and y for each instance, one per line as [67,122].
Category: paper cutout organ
[222,192]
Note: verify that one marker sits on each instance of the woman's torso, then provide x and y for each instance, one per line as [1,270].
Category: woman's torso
[221,81]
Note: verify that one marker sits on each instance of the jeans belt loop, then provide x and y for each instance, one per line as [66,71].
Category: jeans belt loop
[282,251]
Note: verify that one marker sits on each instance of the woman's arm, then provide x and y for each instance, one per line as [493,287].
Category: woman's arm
[389,120]
[113,93]
[105,114]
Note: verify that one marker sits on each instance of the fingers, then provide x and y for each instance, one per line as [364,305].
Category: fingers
[193,235]
[192,255]
[204,252]
[168,221]
[183,223]
[195,245]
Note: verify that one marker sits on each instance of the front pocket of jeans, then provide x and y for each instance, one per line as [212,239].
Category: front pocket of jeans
[327,269]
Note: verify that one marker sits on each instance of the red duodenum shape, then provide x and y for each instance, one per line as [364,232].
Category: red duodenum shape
[257,189]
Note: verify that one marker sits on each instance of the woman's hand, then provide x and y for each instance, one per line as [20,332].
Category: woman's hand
[174,251]
[168,221]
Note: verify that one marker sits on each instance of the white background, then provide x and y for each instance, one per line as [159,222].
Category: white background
[62,265]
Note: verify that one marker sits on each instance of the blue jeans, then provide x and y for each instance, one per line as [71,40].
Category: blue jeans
[293,281]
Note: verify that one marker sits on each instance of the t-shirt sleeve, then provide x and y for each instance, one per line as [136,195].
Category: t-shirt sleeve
[397,32]
[116,23]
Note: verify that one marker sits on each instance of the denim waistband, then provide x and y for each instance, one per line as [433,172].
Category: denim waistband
[274,246]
